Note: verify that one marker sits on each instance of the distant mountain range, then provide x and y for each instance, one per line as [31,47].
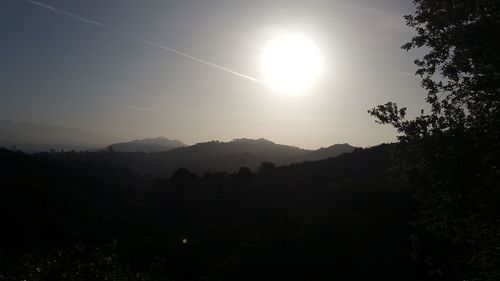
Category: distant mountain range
[35,137]
[147,145]
[158,156]
[214,156]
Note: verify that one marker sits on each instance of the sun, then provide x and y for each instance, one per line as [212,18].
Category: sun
[291,63]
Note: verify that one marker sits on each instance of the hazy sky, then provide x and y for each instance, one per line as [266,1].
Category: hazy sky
[57,70]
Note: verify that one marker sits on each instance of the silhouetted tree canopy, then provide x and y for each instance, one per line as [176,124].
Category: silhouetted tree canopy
[449,157]
[266,167]
[331,219]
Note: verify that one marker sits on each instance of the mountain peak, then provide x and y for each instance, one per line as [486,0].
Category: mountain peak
[157,144]
[39,137]
[245,140]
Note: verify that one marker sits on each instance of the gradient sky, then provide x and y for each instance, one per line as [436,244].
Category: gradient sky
[57,70]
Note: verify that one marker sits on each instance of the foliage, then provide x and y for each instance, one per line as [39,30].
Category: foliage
[83,263]
[332,219]
[449,157]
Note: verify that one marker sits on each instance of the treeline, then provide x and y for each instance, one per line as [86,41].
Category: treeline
[69,219]
[205,157]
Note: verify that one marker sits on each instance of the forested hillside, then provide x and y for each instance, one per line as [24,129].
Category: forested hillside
[213,156]
[336,218]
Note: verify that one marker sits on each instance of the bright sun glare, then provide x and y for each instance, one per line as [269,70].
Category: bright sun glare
[291,63]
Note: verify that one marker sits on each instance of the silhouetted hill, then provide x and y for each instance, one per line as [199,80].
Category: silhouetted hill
[158,144]
[35,137]
[10,139]
[335,219]
[259,147]
[214,156]
[324,153]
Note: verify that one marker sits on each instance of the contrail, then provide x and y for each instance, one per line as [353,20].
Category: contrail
[137,38]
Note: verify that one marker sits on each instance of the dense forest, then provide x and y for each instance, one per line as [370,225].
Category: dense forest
[336,218]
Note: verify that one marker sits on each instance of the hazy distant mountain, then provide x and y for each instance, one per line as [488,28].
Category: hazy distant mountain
[215,156]
[13,140]
[167,155]
[35,137]
[324,153]
[147,145]
[259,147]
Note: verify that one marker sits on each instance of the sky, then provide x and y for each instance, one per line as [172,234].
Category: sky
[57,70]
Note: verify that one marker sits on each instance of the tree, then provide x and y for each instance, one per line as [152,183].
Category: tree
[183,178]
[244,175]
[449,157]
[266,167]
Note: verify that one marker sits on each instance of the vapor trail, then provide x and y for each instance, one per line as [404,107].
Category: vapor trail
[137,38]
